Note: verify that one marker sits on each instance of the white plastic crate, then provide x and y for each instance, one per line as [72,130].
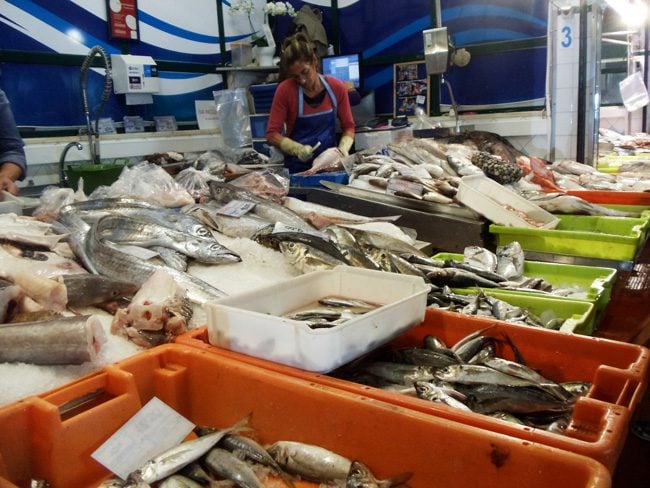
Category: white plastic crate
[252,322]
[501,205]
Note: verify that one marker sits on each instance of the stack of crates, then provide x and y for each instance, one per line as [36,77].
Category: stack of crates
[262,99]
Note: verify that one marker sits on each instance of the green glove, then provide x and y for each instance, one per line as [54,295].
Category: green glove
[293,148]
[345,144]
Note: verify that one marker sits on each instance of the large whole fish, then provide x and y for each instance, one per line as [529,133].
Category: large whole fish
[126,230]
[307,258]
[331,159]
[568,204]
[92,210]
[64,340]
[266,209]
[116,264]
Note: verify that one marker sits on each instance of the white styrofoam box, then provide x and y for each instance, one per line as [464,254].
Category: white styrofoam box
[251,323]
[489,198]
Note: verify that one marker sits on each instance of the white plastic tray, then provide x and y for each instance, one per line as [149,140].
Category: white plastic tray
[502,205]
[252,323]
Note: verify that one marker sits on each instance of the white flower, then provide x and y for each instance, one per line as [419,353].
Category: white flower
[245,6]
[279,8]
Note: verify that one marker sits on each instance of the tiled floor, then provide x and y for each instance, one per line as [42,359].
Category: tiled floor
[627,318]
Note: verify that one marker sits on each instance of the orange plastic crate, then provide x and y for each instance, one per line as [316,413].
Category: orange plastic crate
[212,389]
[600,420]
[613,197]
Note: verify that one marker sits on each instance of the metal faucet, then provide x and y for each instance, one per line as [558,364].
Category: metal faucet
[63,178]
[93,133]
[454,105]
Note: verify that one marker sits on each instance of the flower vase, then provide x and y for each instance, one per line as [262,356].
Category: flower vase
[264,55]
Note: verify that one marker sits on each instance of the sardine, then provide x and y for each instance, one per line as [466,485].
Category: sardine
[172,460]
[456,277]
[488,398]
[360,476]
[424,357]
[349,247]
[473,374]
[226,465]
[312,240]
[430,392]
[126,230]
[309,461]
[64,340]
[403,374]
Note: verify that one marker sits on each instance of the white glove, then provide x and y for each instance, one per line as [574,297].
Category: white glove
[303,152]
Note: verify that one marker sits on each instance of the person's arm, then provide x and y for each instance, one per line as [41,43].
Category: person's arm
[13,164]
[346,119]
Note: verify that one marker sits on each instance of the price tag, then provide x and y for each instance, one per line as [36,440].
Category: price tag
[279,227]
[133,124]
[165,123]
[106,126]
[155,428]
[236,208]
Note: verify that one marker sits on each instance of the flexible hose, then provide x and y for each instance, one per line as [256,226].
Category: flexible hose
[106,92]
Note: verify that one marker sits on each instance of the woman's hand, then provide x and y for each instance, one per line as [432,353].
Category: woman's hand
[9,173]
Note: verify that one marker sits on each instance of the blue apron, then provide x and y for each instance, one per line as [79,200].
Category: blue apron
[311,128]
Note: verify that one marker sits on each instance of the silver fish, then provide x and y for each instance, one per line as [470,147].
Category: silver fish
[424,357]
[63,340]
[171,258]
[309,461]
[510,260]
[307,258]
[488,398]
[172,460]
[86,289]
[93,210]
[403,374]
[473,374]
[126,230]
[228,466]
[456,277]
[179,481]
[118,265]
[349,247]
[266,209]
[353,303]
[360,476]
[430,392]
[247,225]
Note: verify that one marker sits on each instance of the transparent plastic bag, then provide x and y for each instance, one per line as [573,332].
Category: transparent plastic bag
[196,182]
[233,116]
[634,92]
[151,183]
[53,198]
[272,184]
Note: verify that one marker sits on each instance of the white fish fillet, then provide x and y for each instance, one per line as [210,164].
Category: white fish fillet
[47,292]
[307,210]
[54,265]
[27,230]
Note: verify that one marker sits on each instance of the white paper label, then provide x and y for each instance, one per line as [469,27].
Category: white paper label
[236,208]
[206,114]
[154,429]
[280,227]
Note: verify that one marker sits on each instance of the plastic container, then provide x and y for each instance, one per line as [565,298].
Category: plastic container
[501,205]
[94,175]
[252,322]
[258,125]
[242,53]
[214,390]
[263,97]
[618,197]
[599,426]
[315,180]
[579,315]
[595,281]
[613,238]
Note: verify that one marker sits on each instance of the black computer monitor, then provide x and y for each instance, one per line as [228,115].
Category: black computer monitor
[345,67]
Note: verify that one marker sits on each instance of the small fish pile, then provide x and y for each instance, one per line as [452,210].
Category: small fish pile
[332,311]
[482,268]
[470,377]
[232,457]
[572,175]
[568,204]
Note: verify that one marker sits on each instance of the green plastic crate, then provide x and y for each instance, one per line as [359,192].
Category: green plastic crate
[597,282]
[579,316]
[612,238]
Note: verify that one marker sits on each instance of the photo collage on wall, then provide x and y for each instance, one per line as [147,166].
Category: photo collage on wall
[411,89]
